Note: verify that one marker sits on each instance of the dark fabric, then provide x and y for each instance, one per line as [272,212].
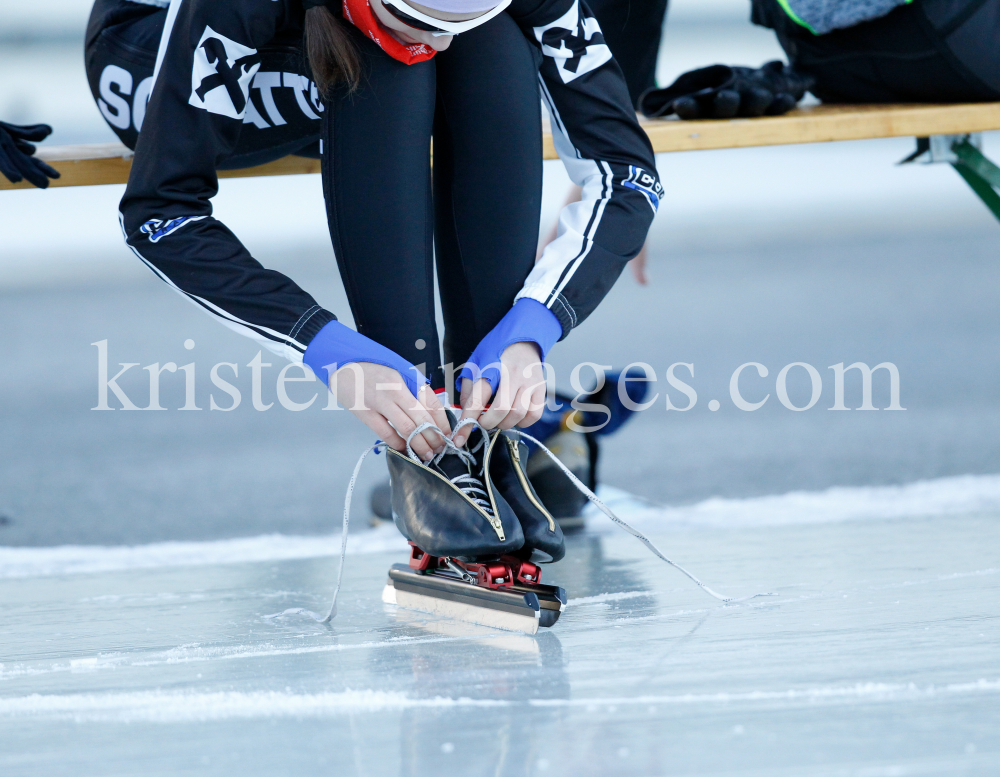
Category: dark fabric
[971,31]
[166,211]
[605,151]
[486,199]
[233,90]
[487,179]
[928,51]
[126,35]
[632,30]
[724,91]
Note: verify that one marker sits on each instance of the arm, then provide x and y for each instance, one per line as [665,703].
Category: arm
[608,155]
[605,152]
[206,63]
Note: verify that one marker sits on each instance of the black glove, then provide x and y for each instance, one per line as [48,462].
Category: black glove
[16,154]
[722,92]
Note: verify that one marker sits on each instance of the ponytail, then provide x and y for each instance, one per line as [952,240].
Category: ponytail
[331,53]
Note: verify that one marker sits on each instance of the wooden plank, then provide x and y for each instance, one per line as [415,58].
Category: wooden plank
[823,123]
[102,163]
[110,163]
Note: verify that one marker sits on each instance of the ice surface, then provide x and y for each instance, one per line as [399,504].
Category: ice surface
[940,497]
[879,657]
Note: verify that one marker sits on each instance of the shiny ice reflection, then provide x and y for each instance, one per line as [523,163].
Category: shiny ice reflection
[878,657]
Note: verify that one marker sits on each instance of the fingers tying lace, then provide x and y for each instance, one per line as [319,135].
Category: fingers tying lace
[470,485]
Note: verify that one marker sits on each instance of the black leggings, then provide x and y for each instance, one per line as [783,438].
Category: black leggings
[632,30]
[388,215]
[480,100]
[927,51]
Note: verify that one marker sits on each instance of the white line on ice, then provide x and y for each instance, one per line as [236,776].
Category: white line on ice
[924,498]
[85,559]
[613,597]
[186,654]
[941,497]
[178,707]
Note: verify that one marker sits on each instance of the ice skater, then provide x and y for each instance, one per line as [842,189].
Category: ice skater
[196,86]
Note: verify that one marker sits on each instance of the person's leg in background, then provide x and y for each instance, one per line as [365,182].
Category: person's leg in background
[632,30]
[377,185]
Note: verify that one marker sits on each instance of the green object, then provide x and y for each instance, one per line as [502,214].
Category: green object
[795,17]
[786,6]
[979,172]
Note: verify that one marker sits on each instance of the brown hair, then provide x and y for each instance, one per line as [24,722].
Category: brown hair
[331,53]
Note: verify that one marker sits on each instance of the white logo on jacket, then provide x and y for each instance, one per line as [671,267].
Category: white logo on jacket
[646,184]
[574,42]
[221,75]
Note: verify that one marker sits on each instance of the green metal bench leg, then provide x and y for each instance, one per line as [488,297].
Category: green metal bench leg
[963,153]
[979,172]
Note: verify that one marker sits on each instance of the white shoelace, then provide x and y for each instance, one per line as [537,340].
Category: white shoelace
[467,483]
[451,448]
[635,532]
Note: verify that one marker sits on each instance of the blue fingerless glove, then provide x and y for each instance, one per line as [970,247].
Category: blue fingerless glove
[336,345]
[529,321]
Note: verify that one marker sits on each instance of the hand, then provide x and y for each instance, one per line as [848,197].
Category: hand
[379,397]
[519,399]
[16,154]
[638,267]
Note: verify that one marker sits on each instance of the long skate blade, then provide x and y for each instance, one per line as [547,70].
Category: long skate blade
[508,641]
[467,613]
[511,610]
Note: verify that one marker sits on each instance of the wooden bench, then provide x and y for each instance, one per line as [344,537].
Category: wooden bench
[947,127]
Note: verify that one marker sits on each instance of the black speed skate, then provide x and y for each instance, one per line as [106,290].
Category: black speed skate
[543,534]
[479,579]
[505,593]
[469,557]
[563,499]
[449,507]
[543,537]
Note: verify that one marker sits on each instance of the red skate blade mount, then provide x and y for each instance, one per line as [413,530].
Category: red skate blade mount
[498,594]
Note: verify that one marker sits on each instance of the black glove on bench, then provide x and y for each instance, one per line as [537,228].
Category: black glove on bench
[17,161]
[724,92]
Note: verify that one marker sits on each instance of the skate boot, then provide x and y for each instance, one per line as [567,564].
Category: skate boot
[380,503]
[448,507]
[562,499]
[543,537]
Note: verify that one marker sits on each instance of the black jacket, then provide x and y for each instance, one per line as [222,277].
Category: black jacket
[207,61]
